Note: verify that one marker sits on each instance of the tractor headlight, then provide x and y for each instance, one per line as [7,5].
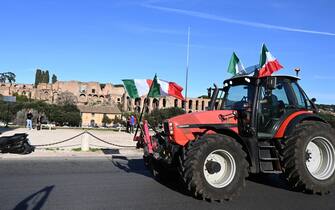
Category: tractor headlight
[168,128]
[171,128]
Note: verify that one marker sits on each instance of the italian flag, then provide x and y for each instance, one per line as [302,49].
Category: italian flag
[268,64]
[235,66]
[140,87]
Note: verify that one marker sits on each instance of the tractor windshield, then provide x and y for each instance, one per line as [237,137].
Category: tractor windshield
[238,96]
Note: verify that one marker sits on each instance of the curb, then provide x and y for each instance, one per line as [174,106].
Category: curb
[41,153]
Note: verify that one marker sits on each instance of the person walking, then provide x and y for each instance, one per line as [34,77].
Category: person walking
[132,123]
[128,125]
[30,120]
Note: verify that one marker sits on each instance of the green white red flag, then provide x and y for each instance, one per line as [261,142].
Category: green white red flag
[267,63]
[140,87]
[235,66]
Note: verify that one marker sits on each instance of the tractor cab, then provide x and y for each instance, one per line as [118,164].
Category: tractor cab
[262,104]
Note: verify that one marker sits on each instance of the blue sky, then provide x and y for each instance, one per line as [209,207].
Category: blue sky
[106,41]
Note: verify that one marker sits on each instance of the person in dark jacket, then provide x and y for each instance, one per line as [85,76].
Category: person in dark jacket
[30,120]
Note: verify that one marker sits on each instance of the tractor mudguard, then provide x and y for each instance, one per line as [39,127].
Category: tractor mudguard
[299,119]
[288,125]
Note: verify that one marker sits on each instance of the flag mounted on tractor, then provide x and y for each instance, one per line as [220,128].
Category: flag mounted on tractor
[235,66]
[267,63]
[140,87]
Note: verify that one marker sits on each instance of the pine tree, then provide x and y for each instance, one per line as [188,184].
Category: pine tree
[38,76]
[54,79]
[47,77]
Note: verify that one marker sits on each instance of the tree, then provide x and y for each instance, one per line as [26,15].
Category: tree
[47,77]
[7,76]
[54,79]
[38,77]
[106,120]
[66,98]
[157,116]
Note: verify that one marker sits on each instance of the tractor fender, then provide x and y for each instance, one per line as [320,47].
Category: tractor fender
[300,118]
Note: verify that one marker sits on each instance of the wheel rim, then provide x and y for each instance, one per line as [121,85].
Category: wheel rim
[320,157]
[219,168]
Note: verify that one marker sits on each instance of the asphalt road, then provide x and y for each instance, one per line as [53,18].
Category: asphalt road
[120,183]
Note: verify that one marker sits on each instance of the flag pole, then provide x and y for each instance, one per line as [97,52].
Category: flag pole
[187,64]
[143,108]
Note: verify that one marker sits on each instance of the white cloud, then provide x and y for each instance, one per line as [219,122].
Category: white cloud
[235,21]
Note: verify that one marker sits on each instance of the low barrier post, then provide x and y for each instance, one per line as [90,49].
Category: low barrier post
[85,145]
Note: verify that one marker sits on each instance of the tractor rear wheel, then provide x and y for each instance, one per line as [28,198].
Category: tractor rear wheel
[309,158]
[214,167]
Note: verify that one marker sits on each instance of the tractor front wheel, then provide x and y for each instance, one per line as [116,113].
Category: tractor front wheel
[214,167]
[309,158]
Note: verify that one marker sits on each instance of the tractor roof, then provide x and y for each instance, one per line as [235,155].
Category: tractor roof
[248,78]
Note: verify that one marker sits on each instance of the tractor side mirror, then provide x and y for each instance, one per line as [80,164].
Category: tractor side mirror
[313,100]
[209,94]
[271,83]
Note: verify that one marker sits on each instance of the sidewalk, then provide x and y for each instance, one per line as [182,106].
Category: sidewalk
[72,147]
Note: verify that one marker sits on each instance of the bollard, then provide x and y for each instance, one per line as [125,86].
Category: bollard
[85,145]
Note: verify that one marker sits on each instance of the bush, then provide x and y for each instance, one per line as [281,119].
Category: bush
[67,114]
[329,118]
[157,116]
[106,120]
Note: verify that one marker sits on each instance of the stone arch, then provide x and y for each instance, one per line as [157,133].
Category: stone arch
[138,102]
[164,102]
[183,104]
[176,103]
[190,104]
[203,105]
[196,105]
[147,109]
[155,103]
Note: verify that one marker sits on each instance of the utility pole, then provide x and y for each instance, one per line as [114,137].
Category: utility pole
[187,64]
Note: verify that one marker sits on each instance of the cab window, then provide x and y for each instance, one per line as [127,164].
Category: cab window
[301,101]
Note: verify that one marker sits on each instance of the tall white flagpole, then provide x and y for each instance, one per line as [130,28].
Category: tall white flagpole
[187,64]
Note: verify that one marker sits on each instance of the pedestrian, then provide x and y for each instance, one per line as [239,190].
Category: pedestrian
[30,120]
[132,123]
[128,125]
[39,122]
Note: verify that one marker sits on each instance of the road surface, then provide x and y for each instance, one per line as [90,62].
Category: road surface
[121,183]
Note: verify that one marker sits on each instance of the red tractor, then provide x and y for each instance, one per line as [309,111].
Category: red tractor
[252,125]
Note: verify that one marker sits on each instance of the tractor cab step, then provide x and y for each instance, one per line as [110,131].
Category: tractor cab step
[271,172]
[268,158]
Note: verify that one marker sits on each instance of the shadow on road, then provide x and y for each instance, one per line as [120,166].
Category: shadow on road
[36,200]
[171,180]
[272,180]
[110,151]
